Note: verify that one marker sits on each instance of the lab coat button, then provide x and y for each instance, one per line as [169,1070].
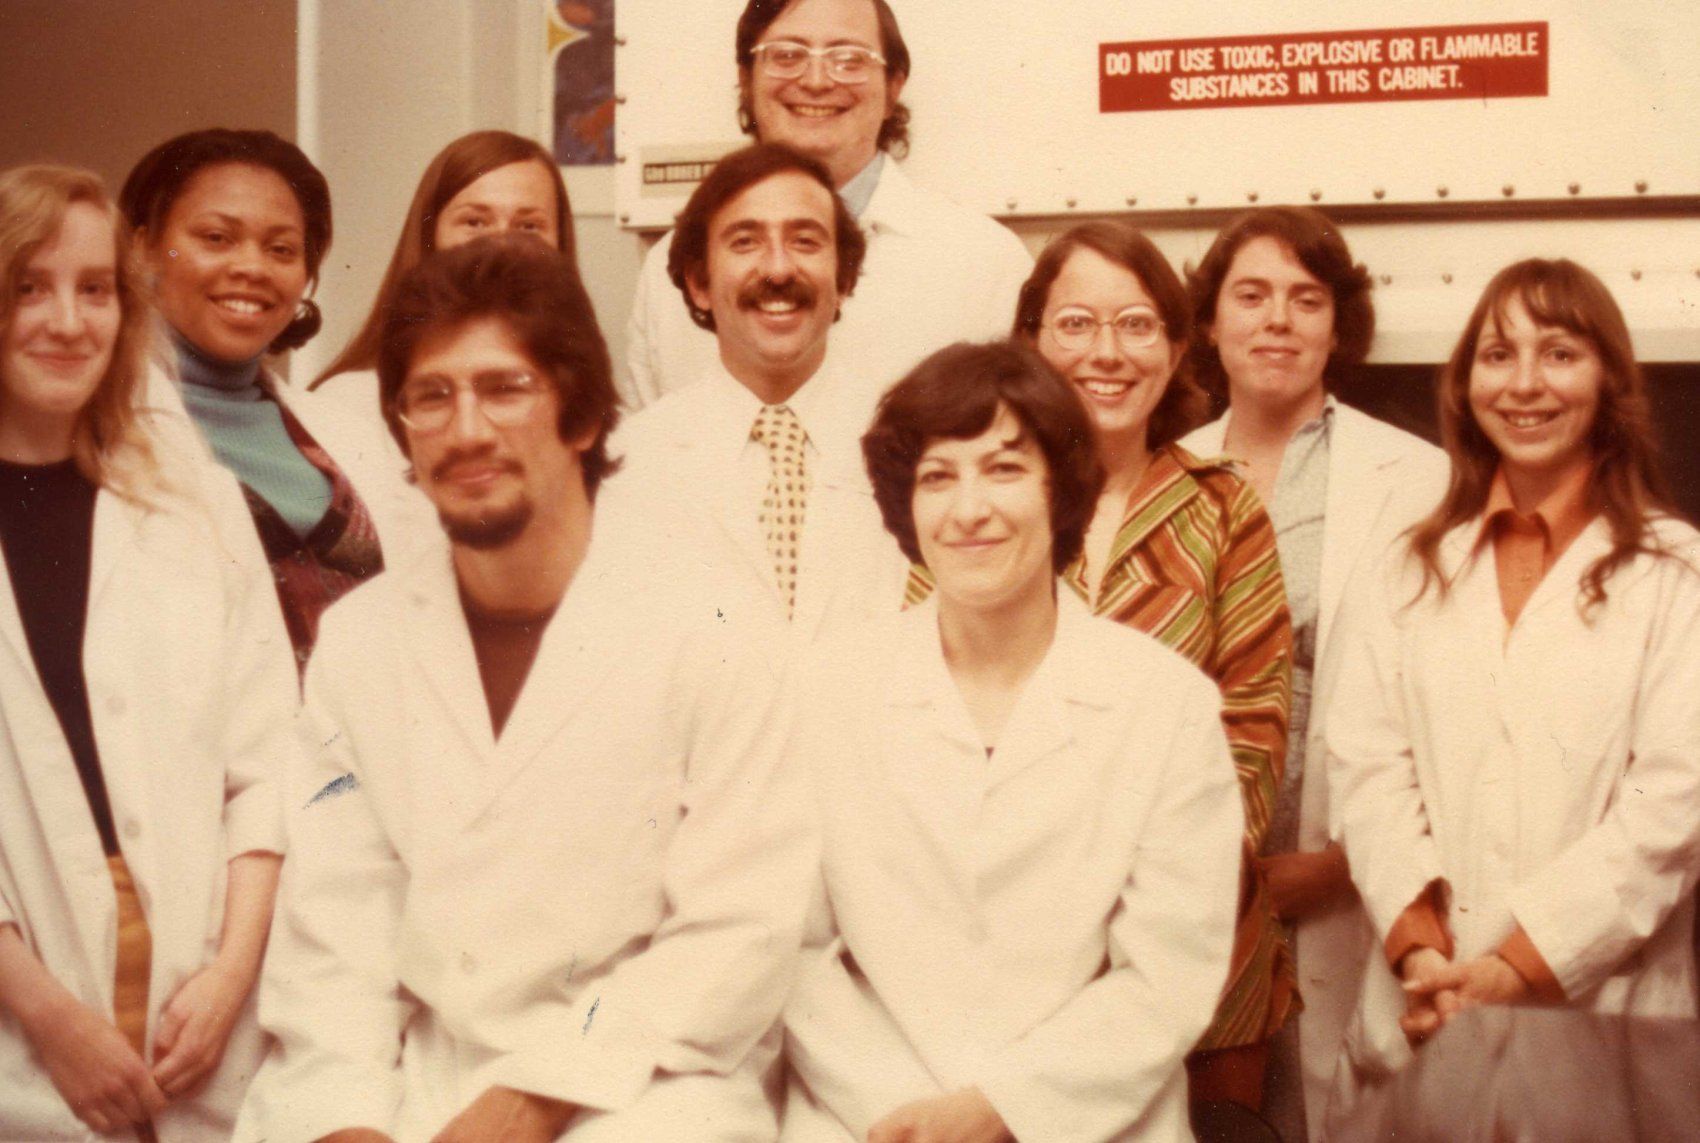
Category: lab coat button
[115,706]
[468,963]
[132,828]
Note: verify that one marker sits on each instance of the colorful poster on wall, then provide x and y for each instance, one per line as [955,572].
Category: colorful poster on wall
[1475,61]
[581,44]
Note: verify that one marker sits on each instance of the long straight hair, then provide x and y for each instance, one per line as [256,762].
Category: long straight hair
[1626,484]
[109,442]
[456,167]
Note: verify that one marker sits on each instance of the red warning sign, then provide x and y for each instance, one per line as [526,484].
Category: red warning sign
[1466,61]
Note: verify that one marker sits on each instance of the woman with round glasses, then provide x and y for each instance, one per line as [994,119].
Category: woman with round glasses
[1032,836]
[1516,747]
[233,226]
[146,711]
[1181,549]
[1281,315]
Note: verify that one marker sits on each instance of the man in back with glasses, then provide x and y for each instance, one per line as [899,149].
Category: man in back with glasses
[825,77]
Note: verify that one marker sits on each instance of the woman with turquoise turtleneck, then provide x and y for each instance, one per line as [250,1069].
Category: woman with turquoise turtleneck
[233,225]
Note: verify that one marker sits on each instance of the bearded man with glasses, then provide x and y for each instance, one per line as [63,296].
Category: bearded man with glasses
[825,78]
[547,876]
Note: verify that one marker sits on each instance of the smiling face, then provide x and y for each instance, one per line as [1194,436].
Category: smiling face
[518,197]
[58,343]
[1274,328]
[229,260]
[837,123]
[1535,390]
[983,518]
[771,282]
[1120,384]
[488,483]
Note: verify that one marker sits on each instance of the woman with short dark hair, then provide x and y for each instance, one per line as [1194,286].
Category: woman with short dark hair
[1032,832]
[1281,313]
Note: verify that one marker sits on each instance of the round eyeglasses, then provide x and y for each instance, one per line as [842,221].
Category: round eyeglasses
[505,398]
[1135,328]
[845,63]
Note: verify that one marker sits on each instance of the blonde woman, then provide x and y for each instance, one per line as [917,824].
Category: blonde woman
[145,704]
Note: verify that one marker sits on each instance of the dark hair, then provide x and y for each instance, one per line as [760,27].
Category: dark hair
[456,167]
[537,294]
[1626,484]
[156,183]
[955,394]
[687,261]
[759,15]
[1182,406]
[1319,247]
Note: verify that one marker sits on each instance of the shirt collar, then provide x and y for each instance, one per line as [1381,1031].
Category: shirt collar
[733,408]
[1560,517]
[1323,422]
[860,190]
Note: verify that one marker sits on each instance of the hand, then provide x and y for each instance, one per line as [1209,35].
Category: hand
[503,1115]
[356,1135]
[1485,980]
[195,1027]
[965,1116]
[95,1070]
[1429,1000]
[1302,883]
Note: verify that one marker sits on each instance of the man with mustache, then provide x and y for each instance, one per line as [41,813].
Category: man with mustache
[749,483]
[825,77]
[548,878]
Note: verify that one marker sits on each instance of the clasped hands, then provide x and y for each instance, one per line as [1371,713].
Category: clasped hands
[1436,989]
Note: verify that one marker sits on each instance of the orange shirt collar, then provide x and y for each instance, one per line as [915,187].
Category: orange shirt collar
[1560,517]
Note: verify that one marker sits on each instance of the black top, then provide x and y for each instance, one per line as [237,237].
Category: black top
[47,534]
[505,645]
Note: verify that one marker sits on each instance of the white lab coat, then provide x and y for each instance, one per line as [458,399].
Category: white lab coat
[935,273]
[1381,480]
[1550,773]
[603,906]
[685,488]
[1052,925]
[192,694]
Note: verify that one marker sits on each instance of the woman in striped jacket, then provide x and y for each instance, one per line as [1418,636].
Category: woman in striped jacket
[1181,549]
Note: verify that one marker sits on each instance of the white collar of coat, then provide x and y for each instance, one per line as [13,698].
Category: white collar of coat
[897,205]
[1072,672]
[729,411]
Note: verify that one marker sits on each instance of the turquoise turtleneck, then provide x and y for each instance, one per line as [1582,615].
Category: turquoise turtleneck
[245,428]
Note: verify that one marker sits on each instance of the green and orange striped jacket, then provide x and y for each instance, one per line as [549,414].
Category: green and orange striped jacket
[1194,565]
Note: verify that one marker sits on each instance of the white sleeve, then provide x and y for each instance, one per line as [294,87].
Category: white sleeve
[329,993]
[641,383]
[1100,1062]
[739,871]
[1378,804]
[1609,890]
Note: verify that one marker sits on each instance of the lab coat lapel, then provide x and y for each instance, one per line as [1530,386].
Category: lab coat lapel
[1359,482]
[1065,684]
[933,761]
[441,647]
[570,668]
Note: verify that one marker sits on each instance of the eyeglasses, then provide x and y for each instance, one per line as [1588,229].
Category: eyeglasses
[845,63]
[1135,328]
[505,397]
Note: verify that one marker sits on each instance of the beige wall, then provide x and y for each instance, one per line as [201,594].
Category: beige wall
[99,82]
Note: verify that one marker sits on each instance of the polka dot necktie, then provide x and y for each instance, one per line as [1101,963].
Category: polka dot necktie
[778,430]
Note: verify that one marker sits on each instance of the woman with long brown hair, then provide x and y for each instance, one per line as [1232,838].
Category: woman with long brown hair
[1515,746]
[146,705]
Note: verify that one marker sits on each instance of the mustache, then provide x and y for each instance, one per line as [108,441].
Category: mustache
[483,454]
[793,290]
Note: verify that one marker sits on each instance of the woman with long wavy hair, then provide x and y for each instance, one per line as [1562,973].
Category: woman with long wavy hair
[1515,748]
